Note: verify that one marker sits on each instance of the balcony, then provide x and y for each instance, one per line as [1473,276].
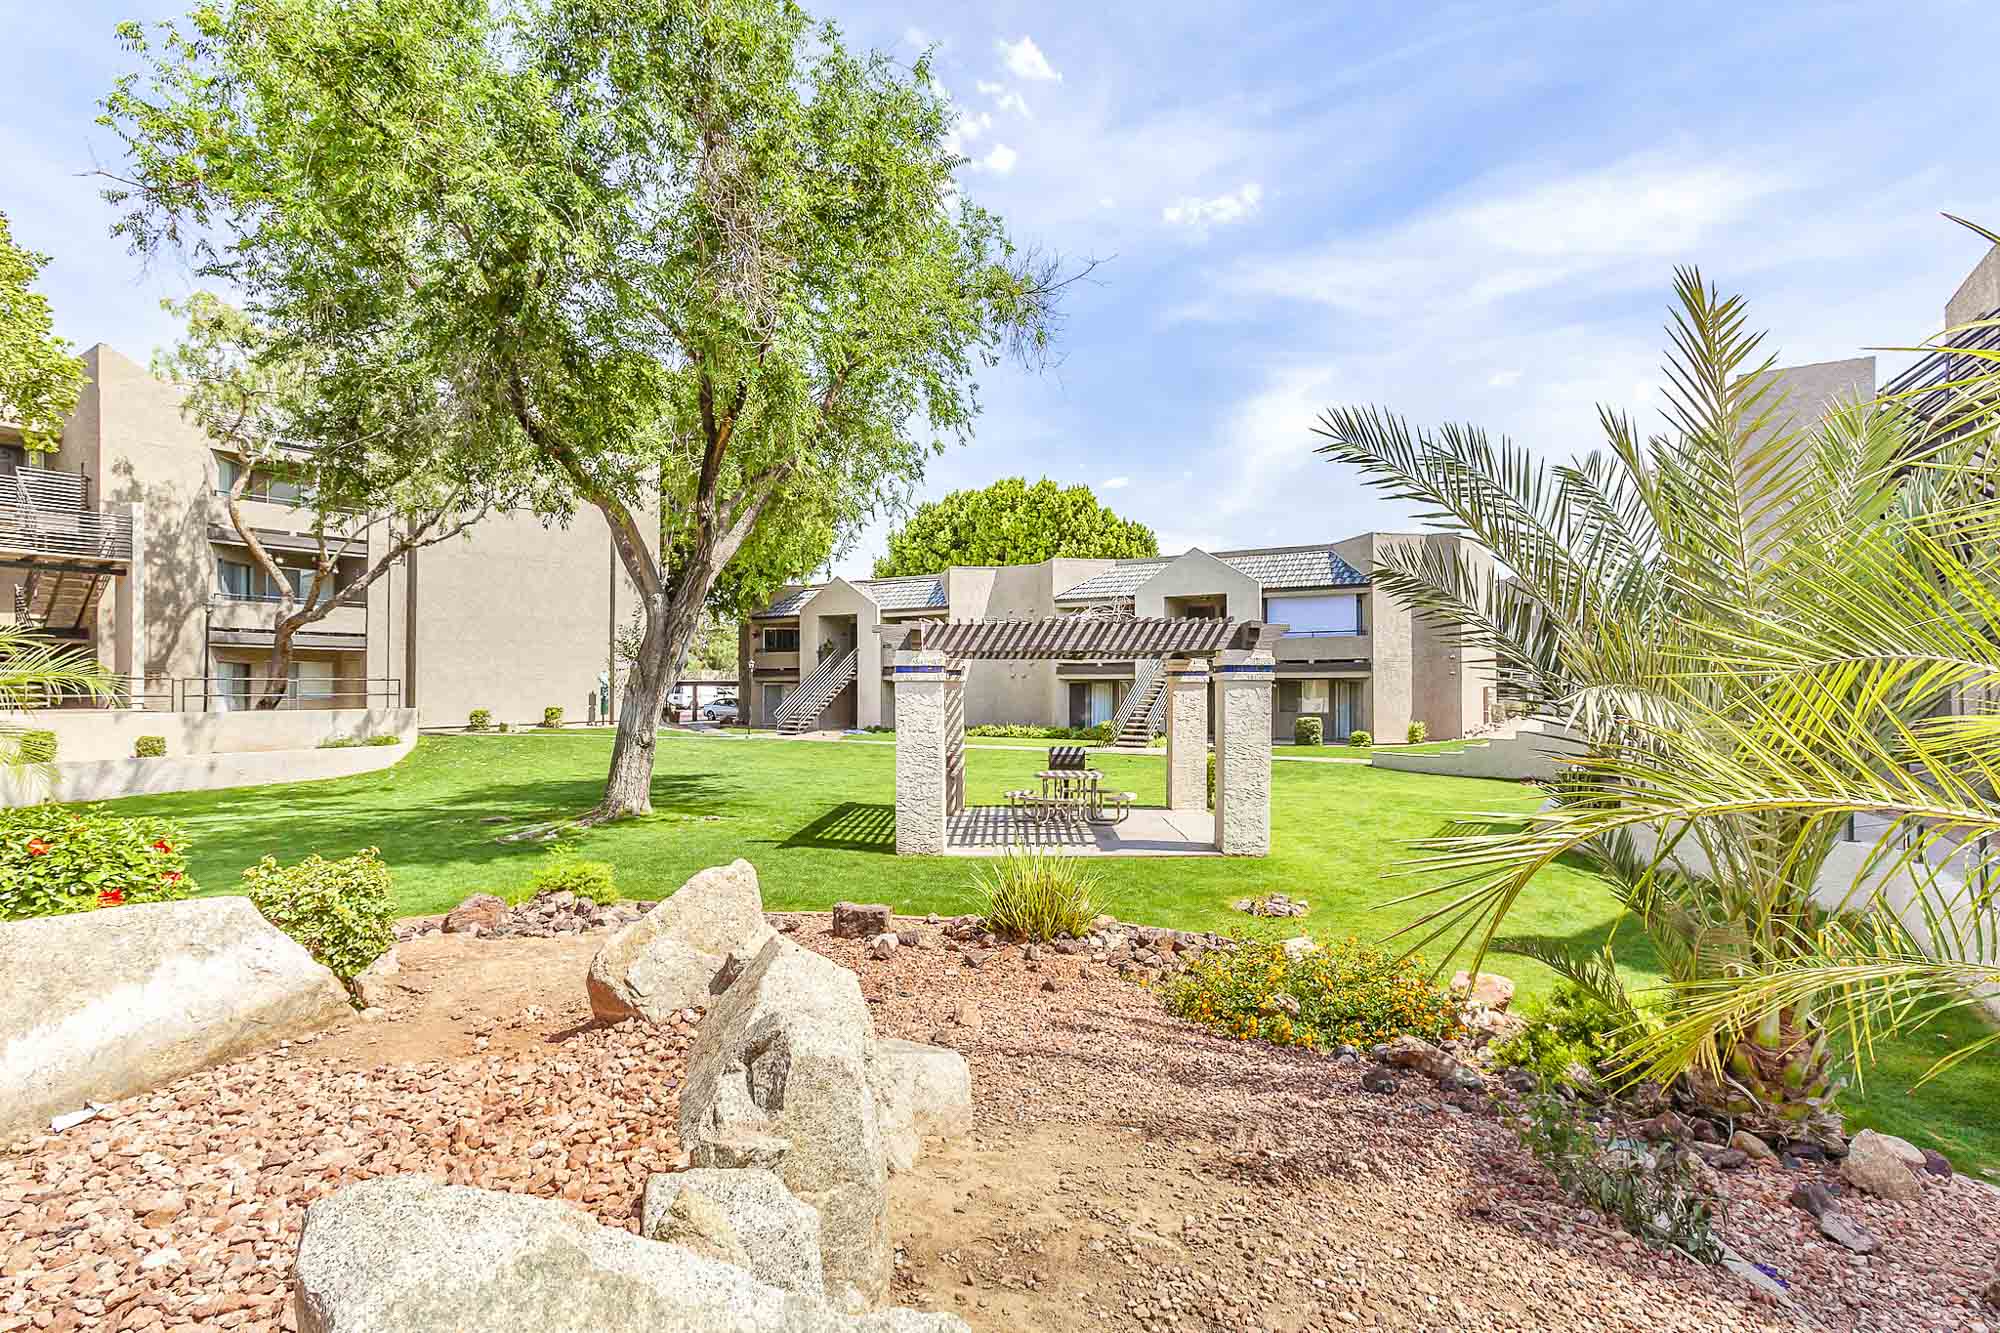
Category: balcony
[1325,645]
[43,520]
[230,612]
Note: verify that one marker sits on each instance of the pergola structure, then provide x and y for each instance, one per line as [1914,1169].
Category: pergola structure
[1228,662]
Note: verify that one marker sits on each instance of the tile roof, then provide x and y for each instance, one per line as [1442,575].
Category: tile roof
[1307,567]
[906,594]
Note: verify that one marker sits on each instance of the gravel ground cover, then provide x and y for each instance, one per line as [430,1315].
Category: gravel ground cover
[1128,1171]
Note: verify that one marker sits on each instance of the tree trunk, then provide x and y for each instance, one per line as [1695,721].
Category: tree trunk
[277,668]
[663,650]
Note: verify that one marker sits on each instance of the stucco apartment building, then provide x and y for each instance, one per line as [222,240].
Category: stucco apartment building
[120,542]
[1352,655]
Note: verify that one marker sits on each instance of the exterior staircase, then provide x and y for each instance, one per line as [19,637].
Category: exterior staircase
[59,598]
[801,708]
[1143,715]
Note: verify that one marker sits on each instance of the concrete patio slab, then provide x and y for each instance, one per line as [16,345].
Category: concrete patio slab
[989,830]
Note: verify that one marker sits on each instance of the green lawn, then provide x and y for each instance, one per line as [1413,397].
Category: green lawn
[818,822]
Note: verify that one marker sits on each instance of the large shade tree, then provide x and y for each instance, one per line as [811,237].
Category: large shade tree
[1012,523]
[1640,590]
[694,263]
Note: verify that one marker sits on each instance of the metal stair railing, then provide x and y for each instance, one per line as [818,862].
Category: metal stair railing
[1148,692]
[803,705]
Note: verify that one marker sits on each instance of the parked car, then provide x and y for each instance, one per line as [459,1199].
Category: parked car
[722,710]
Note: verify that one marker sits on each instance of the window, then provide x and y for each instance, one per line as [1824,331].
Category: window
[244,581]
[266,483]
[233,686]
[1337,614]
[1313,696]
[774,697]
[311,683]
[778,640]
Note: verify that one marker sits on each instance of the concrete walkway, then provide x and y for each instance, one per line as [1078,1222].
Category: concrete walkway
[991,830]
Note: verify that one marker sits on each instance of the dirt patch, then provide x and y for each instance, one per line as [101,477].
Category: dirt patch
[1127,1171]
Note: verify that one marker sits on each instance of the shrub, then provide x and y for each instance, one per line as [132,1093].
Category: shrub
[56,859]
[339,910]
[37,747]
[1657,1198]
[1023,731]
[1037,895]
[1417,732]
[1360,738]
[502,727]
[564,869]
[149,747]
[1341,994]
[1571,1026]
[479,719]
[1308,730]
[1099,734]
[552,716]
[386,738]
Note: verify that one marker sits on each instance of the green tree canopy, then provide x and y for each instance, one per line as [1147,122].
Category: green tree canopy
[1012,523]
[691,263]
[39,378]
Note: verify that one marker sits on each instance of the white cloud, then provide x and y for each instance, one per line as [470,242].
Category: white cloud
[1114,484]
[1005,98]
[1501,379]
[1000,160]
[1198,214]
[969,126]
[1024,60]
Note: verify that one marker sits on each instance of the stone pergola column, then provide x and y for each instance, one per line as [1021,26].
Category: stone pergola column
[1243,681]
[924,742]
[1187,733]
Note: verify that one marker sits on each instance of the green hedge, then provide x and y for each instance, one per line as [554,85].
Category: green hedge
[1360,738]
[1308,730]
[1021,731]
[56,859]
[339,910]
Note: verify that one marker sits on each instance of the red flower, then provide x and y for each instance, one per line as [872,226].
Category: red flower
[111,897]
[162,845]
[36,847]
[172,877]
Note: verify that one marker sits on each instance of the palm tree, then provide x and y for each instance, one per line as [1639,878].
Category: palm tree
[33,674]
[1657,597]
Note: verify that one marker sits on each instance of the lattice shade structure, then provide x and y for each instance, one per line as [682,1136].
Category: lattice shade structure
[1078,638]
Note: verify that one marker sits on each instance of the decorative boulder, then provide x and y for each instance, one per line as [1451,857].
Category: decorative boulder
[925,1091]
[101,1005]
[1490,989]
[1874,1164]
[405,1254]
[785,1063]
[747,1217]
[375,984]
[477,915]
[860,921]
[673,957]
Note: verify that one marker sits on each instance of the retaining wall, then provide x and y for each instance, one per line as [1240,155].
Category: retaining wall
[265,755]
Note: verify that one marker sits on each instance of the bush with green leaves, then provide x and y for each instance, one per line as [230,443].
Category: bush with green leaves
[1655,1194]
[1030,894]
[61,858]
[552,716]
[1309,730]
[479,719]
[1024,731]
[1345,993]
[1571,1026]
[1360,738]
[149,747]
[341,911]
[1415,735]
[566,870]
[36,747]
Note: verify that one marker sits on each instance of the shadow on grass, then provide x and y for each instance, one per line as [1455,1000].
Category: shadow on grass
[851,826]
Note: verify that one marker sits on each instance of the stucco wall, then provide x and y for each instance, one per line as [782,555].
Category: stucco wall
[1199,574]
[1529,754]
[110,779]
[1448,681]
[1388,698]
[1978,295]
[108,734]
[1014,691]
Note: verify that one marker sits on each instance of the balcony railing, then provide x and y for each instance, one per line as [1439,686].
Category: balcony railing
[42,513]
[242,694]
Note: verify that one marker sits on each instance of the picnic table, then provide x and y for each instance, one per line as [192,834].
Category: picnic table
[1069,793]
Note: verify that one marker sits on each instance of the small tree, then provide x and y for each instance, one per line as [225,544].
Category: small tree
[1012,523]
[40,380]
[257,404]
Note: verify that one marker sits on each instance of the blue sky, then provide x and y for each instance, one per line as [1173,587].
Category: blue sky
[1465,212]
